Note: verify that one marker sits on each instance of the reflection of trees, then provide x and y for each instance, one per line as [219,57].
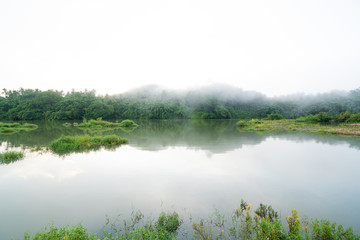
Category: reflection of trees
[212,135]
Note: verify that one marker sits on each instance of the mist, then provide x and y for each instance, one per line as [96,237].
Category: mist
[216,101]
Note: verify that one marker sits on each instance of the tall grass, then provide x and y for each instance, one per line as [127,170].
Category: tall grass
[242,223]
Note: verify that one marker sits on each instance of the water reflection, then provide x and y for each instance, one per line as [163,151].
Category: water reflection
[215,136]
[196,165]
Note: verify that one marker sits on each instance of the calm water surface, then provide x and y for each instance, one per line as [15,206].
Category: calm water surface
[192,165]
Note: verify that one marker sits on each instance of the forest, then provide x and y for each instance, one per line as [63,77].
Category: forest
[216,101]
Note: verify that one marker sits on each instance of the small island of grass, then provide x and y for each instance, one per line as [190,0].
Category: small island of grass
[101,124]
[10,128]
[11,156]
[69,144]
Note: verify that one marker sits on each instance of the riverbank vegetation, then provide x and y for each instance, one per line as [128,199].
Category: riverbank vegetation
[242,223]
[10,156]
[10,128]
[295,125]
[69,144]
[341,124]
[151,102]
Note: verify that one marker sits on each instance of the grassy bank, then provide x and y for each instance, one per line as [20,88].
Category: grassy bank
[11,156]
[296,125]
[10,128]
[242,223]
[69,144]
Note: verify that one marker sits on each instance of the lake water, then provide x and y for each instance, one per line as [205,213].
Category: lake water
[192,165]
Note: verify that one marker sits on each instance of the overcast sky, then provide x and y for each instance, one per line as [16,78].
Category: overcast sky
[274,47]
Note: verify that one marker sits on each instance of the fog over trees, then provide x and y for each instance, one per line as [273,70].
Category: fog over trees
[217,101]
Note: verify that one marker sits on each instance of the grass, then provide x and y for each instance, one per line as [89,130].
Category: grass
[11,156]
[69,144]
[296,125]
[99,123]
[242,223]
[10,128]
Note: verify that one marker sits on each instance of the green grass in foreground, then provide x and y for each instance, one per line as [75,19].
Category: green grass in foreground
[68,144]
[242,223]
[295,125]
[10,128]
[11,156]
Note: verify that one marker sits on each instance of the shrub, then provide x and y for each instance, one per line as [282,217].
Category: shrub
[274,116]
[128,123]
[294,224]
[266,212]
[308,118]
[242,123]
[354,118]
[342,117]
[169,221]
[73,232]
[323,117]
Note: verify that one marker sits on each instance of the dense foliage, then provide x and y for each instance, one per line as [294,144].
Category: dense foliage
[214,102]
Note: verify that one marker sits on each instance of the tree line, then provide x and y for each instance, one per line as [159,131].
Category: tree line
[34,104]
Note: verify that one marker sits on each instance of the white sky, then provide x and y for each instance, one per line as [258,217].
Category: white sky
[274,47]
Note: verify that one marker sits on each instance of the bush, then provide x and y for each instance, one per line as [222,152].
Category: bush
[128,123]
[52,232]
[274,116]
[342,117]
[308,118]
[242,123]
[169,221]
[354,118]
[323,117]
[320,117]
[324,230]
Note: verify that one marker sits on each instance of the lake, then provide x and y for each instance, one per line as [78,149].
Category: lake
[186,165]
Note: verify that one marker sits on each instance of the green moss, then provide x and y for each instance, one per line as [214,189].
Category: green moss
[11,156]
